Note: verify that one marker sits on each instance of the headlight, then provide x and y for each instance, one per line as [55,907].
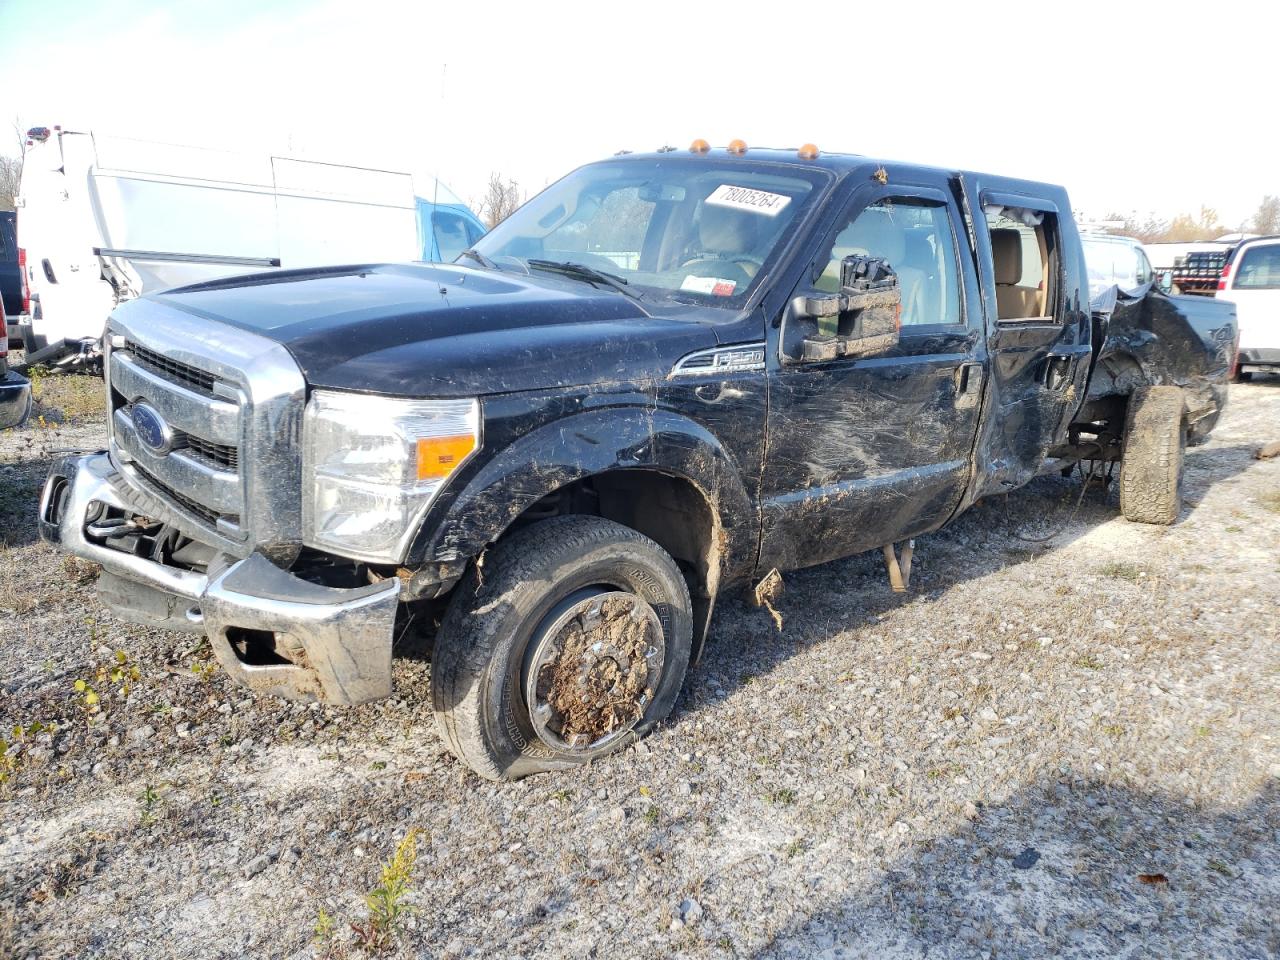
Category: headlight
[371,466]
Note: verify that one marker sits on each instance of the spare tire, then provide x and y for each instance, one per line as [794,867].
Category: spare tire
[1155,443]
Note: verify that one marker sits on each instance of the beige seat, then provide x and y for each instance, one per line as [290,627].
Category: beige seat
[1012,301]
[727,241]
[874,234]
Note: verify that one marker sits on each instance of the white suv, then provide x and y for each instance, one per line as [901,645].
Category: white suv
[1251,280]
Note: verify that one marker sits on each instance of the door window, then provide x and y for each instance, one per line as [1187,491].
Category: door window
[1023,253]
[1259,268]
[915,238]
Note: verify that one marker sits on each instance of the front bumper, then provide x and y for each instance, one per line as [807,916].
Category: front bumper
[272,632]
[15,400]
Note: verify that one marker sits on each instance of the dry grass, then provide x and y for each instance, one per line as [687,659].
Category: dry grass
[61,398]
[1120,570]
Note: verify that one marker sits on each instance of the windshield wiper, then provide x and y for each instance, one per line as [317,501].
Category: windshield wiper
[580,271]
[481,259]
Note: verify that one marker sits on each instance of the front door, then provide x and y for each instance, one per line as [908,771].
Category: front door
[864,451]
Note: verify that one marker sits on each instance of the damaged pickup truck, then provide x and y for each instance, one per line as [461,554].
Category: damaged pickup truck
[665,374]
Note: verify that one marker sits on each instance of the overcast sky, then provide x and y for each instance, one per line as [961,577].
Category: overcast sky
[1133,106]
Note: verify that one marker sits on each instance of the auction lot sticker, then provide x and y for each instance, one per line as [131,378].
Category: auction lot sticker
[712,285]
[744,198]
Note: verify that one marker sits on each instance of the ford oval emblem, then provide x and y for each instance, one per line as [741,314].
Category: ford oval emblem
[152,430]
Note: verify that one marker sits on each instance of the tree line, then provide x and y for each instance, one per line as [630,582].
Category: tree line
[1190,227]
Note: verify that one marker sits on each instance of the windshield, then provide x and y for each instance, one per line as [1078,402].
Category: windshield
[685,229]
[1113,263]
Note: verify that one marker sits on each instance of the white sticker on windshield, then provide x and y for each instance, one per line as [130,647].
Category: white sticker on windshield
[744,198]
[712,285]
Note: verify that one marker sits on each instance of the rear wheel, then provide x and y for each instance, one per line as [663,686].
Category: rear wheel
[1155,442]
[568,642]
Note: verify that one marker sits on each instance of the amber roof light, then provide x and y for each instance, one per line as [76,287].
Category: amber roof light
[699,146]
[808,152]
[737,147]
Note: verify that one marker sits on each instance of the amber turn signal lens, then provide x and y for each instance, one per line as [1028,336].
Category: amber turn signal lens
[737,147]
[439,456]
[808,152]
[699,146]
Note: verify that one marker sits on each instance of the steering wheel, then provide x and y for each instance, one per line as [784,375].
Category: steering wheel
[722,269]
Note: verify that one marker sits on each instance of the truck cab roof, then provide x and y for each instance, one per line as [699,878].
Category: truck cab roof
[845,165]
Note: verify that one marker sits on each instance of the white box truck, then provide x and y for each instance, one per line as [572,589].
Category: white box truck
[104,219]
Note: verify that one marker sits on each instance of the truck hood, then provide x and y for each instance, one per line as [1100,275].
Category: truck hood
[433,330]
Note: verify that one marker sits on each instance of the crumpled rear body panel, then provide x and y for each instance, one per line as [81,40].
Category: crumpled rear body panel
[1150,338]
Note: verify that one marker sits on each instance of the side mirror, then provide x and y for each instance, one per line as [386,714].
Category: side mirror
[1165,281]
[867,312]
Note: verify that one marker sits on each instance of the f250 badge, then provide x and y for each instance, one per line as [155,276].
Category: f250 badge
[153,432]
[747,356]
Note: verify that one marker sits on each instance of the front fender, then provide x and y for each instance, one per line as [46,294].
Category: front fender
[582,445]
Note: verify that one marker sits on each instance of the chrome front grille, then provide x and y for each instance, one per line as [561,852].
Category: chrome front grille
[172,370]
[198,467]
[219,449]
[210,517]
[220,455]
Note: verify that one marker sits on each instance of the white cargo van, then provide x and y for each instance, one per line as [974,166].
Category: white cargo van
[1251,280]
[104,219]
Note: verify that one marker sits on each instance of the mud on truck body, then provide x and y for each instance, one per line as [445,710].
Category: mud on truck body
[664,375]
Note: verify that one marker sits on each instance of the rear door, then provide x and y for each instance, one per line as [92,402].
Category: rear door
[1253,285]
[867,450]
[1035,290]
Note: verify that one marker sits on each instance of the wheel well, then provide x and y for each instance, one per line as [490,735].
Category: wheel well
[670,510]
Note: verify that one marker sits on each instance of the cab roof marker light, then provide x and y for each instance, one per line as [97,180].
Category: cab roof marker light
[699,146]
[808,152]
[737,147]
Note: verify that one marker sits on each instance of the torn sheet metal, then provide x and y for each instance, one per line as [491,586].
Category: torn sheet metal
[1150,338]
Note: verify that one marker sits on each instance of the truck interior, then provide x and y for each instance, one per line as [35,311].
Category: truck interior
[1022,258]
[914,237]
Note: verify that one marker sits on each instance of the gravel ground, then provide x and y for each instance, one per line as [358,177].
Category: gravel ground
[1064,749]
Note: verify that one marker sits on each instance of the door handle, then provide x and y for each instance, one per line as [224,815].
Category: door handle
[1057,372]
[968,378]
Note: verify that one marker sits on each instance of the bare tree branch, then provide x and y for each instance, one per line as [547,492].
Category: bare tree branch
[500,200]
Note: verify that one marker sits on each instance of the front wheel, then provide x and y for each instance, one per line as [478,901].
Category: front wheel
[1155,443]
[569,640]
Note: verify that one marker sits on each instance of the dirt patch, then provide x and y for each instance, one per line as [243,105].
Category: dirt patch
[600,681]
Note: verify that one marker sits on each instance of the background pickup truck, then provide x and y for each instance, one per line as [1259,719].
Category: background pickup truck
[665,374]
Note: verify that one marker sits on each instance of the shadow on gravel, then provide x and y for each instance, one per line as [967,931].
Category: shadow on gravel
[20,486]
[994,536]
[1079,869]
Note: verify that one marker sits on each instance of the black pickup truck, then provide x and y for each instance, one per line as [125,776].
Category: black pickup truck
[665,374]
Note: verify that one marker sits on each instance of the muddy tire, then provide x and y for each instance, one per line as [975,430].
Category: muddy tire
[1155,442]
[570,640]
